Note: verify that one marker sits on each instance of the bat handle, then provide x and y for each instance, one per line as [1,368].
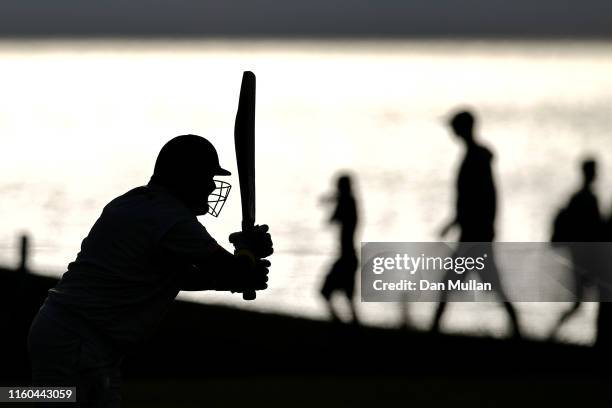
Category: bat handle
[249,295]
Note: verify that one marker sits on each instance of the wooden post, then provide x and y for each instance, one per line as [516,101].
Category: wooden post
[24,252]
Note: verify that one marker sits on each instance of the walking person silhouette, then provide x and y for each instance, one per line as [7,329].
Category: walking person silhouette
[476,206]
[604,313]
[578,222]
[341,277]
[145,247]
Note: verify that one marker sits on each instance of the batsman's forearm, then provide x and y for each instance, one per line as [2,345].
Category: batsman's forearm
[196,279]
[220,271]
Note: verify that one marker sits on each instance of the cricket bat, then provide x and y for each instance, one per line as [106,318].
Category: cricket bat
[244,142]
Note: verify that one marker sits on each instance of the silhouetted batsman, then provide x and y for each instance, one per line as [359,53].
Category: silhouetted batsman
[145,247]
[341,277]
[475,211]
[578,222]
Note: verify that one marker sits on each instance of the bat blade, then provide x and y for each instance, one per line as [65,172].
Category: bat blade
[244,143]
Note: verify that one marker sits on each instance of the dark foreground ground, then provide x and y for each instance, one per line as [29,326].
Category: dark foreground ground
[369,391]
[216,356]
